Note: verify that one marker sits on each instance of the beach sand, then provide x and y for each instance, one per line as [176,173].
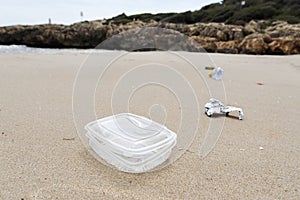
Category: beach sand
[42,157]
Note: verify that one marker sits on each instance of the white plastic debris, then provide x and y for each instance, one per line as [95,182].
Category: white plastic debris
[261,148]
[131,143]
[216,106]
[217,73]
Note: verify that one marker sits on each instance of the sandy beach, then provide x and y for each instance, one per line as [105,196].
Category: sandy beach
[42,157]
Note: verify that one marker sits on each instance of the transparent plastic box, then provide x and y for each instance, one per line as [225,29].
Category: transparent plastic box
[130,143]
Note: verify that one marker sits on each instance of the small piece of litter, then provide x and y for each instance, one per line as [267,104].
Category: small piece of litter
[261,148]
[69,138]
[209,68]
[259,83]
[216,106]
[242,149]
[216,73]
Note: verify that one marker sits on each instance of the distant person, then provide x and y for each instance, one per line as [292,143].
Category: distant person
[81,15]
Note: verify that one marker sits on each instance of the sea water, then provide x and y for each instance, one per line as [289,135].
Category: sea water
[25,49]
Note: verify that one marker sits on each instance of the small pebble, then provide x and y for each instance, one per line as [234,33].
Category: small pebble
[261,148]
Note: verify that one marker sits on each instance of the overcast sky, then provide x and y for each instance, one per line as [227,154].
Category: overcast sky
[68,11]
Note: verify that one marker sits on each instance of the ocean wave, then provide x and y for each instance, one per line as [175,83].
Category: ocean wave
[25,49]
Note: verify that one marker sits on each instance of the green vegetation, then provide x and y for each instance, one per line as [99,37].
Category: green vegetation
[227,11]
[145,17]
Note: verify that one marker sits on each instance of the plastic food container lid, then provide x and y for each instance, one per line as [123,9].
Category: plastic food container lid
[127,125]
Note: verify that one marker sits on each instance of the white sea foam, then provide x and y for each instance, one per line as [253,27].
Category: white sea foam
[23,48]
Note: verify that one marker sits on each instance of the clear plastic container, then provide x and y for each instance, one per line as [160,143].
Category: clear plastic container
[129,142]
[130,152]
[136,147]
[109,158]
[131,164]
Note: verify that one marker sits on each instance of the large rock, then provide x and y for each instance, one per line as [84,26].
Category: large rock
[285,46]
[251,27]
[222,36]
[255,43]
[227,47]
[151,38]
[256,26]
[219,31]
[207,43]
[283,29]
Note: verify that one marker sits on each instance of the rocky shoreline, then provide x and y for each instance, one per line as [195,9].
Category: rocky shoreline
[256,37]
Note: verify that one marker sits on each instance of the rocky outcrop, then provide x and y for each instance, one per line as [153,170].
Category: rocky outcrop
[257,37]
[80,35]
